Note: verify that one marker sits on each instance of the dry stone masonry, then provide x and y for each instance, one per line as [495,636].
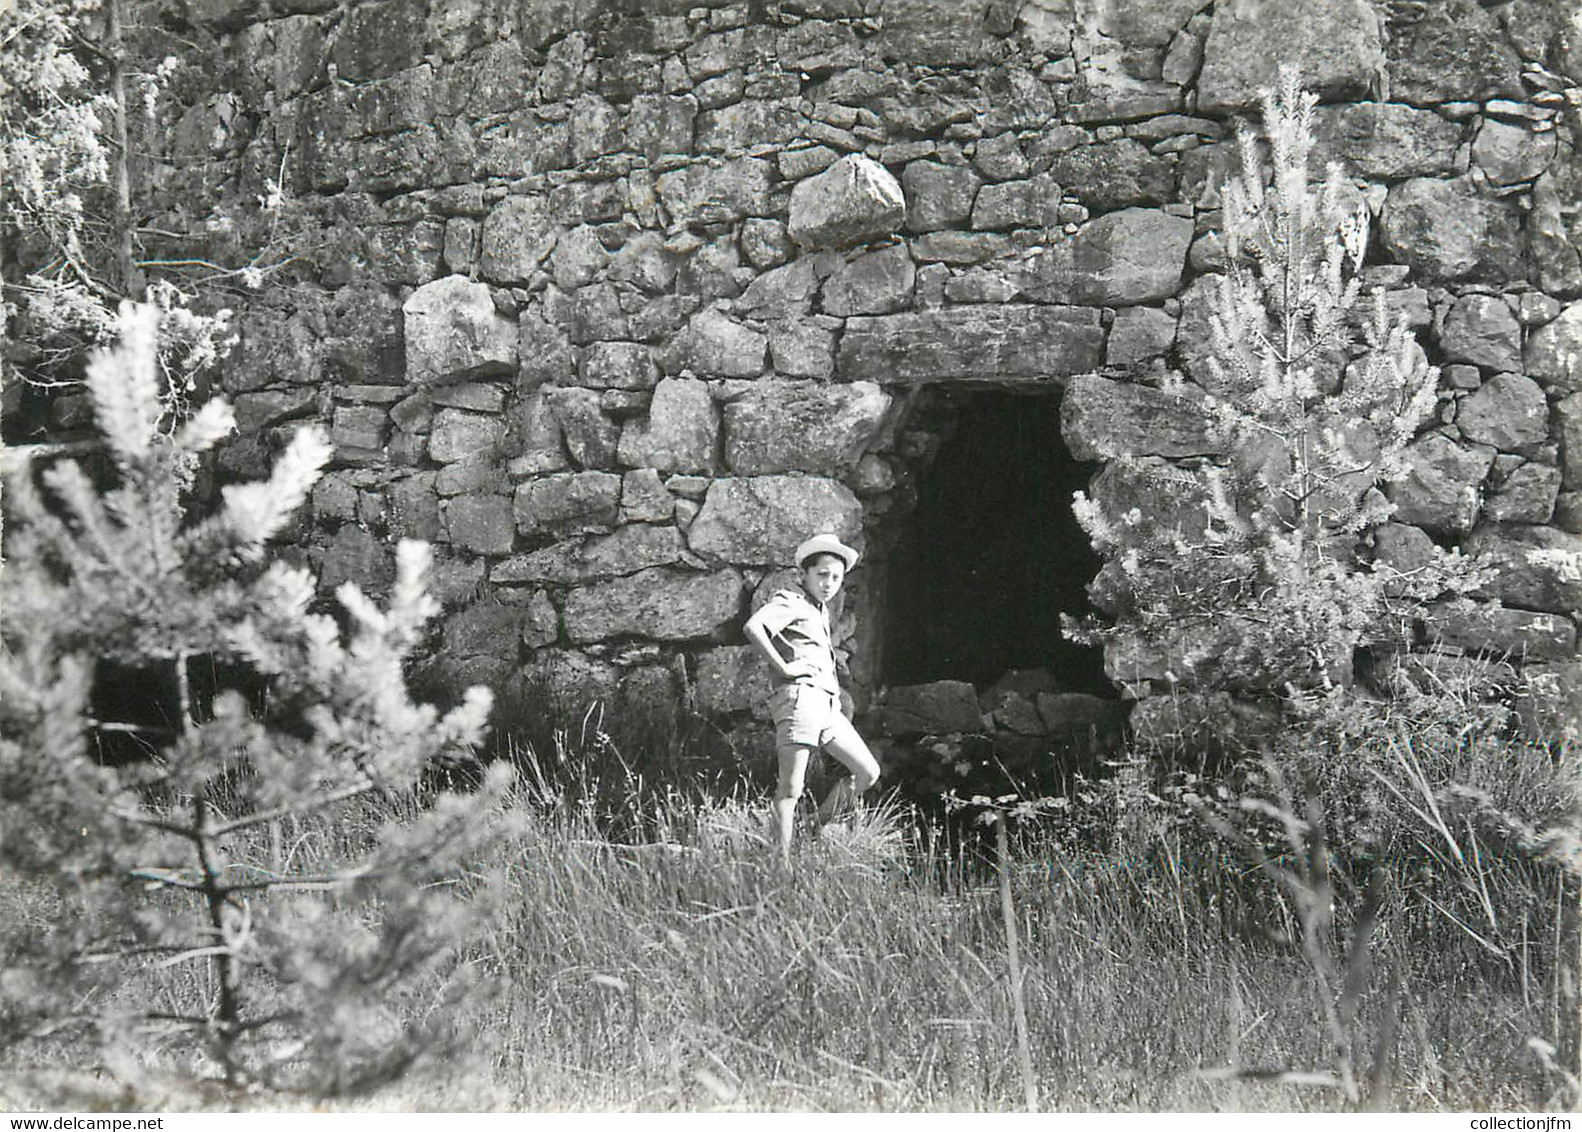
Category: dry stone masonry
[615,301]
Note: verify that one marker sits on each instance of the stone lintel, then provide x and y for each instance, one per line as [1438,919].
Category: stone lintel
[1006,344]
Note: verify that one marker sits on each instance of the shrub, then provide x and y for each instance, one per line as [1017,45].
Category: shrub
[160,859]
[1313,393]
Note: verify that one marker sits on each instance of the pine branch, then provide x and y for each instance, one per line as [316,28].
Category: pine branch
[299,809]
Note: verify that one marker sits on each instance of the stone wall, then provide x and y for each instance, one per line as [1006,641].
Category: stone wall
[615,301]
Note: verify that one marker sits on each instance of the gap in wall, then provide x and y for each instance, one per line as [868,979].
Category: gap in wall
[992,555]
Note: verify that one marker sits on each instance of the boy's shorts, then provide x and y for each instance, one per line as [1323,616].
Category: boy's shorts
[808,717]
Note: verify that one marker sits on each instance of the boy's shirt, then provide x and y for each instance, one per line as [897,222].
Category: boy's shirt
[799,628]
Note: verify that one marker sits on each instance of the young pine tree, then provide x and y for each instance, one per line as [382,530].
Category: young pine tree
[1313,391]
[161,915]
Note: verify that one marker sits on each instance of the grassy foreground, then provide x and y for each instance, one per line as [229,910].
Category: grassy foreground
[684,969]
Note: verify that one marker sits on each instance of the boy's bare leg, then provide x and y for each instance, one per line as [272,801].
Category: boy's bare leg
[840,800]
[793,770]
[851,752]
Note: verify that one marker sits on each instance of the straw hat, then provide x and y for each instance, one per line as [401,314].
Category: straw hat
[826,544]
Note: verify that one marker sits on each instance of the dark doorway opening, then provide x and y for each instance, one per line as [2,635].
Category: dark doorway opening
[993,555]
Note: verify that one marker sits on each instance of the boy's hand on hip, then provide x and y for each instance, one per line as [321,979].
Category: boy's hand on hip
[795,669]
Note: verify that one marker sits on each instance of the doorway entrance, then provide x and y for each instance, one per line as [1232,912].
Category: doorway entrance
[992,555]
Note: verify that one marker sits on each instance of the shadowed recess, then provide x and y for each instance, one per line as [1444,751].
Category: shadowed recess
[993,555]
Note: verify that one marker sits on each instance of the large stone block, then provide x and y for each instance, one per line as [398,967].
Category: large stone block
[1137,334]
[1539,568]
[1013,342]
[661,604]
[753,122]
[733,679]
[518,235]
[645,499]
[569,502]
[483,524]
[591,436]
[936,34]
[578,259]
[540,621]
[1453,50]
[380,39]
[853,201]
[596,128]
[257,411]
[1143,23]
[706,194]
[629,549]
[878,282]
[1526,495]
[1123,258]
[458,434]
[644,263]
[1033,203]
[1447,230]
[1385,140]
[802,426]
[1198,655]
[486,628]
[782,293]
[1508,411]
[1100,418]
[479,473]
[486,82]
[960,247]
[1481,329]
[453,330]
[1440,489]
[1000,158]
[1556,259]
[1401,548]
[1568,429]
[759,520]
[545,353]
[618,365]
[680,432]
[400,103]
[595,315]
[1115,174]
[1336,46]
[801,349]
[939,708]
[1509,154]
[658,126]
[536,444]
[522,144]
[938,196]
[568,680]
[280,56]
[874,283]
[715,345]
[1554,351]
[412,508]
[765,243]
[1109,94]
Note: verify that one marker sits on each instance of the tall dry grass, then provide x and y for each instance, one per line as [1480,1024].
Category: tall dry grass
[653,956]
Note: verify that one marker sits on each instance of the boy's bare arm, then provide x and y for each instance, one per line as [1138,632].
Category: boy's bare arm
[787,670]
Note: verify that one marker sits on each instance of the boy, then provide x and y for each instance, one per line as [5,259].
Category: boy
[792,631]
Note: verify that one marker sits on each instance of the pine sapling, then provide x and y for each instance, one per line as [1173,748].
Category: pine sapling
[152,865]
[1313,390]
